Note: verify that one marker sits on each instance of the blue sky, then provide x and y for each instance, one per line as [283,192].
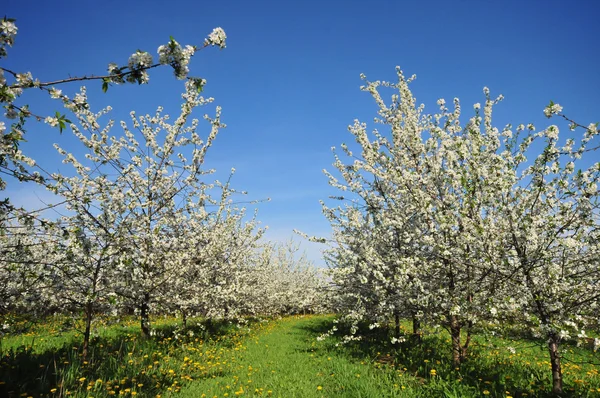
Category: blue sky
[288,80]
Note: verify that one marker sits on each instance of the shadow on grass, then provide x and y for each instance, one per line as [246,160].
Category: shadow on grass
[119,360]
[483,370]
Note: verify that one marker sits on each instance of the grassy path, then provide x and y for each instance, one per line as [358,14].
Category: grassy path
[286,361]
[278,358]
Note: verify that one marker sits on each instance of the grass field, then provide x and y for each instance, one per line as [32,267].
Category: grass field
[278,358]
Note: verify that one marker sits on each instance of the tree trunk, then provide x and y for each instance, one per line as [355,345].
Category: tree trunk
[464,348]
[396,325]
[184,318]
[145,316]
[89,313]
[557,382]
[457,352]
[416,328]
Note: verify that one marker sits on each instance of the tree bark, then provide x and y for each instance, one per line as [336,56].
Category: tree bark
[184,318]
[89,314]
[145,316]
[396,325]
[557,382]
[416,328]
[457,352]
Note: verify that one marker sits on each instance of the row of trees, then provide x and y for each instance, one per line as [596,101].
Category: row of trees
[457,224]
[141,224]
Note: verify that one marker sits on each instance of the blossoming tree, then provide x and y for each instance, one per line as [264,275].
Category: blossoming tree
[93,232]
[153,191]
[549,220]
[469,227]
[418,218]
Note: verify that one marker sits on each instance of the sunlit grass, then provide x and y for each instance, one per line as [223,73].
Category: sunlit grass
[289,362]
[277,358]
[48,362]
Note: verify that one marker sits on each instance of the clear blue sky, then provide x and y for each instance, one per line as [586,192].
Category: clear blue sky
[288,80]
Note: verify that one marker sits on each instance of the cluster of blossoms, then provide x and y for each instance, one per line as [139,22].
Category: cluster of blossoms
[8,31]
[176,56]
[52,121]
[216,38]
[552,109]
[140,59]
[172,53]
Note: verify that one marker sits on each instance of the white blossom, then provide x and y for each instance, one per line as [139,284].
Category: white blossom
[52,121]
[552,109]
[217,38]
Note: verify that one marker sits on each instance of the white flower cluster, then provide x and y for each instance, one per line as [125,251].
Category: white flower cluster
[216,38]
[137,64]
[552,109]
[176,56]
[8,31]
[55,93]
[140,59]
[25,79]
[8,28]
[52,121]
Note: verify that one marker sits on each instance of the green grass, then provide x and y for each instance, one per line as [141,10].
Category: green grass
[279,358]
[47,362]
[287,361]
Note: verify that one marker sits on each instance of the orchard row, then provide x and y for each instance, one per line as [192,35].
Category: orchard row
[455,224]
